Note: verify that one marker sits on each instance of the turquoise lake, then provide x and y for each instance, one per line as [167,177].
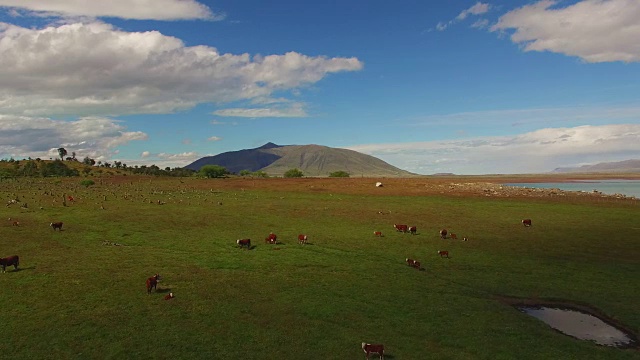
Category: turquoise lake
[626,187]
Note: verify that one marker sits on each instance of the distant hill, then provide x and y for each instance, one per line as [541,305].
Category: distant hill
[619,166]
[312,160]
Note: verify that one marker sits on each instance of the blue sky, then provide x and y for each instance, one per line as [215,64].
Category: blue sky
[429,86]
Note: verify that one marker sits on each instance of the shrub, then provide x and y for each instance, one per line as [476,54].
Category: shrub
[339,174]
[87,182]
[293,173]
[213,171]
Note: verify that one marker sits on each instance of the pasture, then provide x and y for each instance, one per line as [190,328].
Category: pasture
[80,292]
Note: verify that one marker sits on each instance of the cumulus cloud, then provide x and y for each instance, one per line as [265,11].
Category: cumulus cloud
[163,159]
[95,137]
[95,69]
[294,110]
[537,151]
[125,9]
[593,30]
[477,9]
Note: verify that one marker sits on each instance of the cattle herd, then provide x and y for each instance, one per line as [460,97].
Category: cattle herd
[152,282]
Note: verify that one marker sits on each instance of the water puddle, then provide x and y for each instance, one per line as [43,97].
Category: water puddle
[581,325]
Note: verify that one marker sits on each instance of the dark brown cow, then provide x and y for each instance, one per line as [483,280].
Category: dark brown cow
[302,239]
[526,222]
[412,230]
[443,233]
[244,242]
[152,282]
[401,228]
[373,348]
[16,223]
[56,225]
[377,233]
[9,261]
[443,253]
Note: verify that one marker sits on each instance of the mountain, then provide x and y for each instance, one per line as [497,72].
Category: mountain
[312,160]
[619,166]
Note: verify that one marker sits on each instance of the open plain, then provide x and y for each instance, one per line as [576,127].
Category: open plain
[83,288]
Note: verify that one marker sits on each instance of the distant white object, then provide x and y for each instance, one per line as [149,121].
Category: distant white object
[378,184]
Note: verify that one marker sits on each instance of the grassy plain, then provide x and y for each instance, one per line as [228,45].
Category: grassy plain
[75,297]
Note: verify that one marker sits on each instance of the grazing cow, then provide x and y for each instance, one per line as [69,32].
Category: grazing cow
[15,223]
[443,253]
[464,238]
[271,239]
[526,222]
[302,239]
[443,233]
[413,263]
[453,236]
[412,230]
[373,348]
[169,296]
[377,233]
[244,242]
[401,228]
[8,261]
[56,225]
[152,282]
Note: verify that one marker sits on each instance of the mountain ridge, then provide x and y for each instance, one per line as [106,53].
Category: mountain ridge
[632,165]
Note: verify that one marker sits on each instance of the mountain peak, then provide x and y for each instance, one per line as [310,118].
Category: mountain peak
[269,145]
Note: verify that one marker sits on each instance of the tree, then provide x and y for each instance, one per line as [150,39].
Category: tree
[339,173]
[62,152]
[260,174]
[293,173]
[213,171]
[244,172]
[57,168]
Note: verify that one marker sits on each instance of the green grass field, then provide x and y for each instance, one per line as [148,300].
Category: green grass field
[74,297]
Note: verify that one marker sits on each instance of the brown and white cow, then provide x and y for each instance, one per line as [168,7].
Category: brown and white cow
[169,296]
[56,225]
[401,228]
[453,236]
[152,283]
[443,253]
[271,239]
[377,233]
[443,233]
[302,239]
[15,223]
[244,242]
[373,348]
[413,263]
[413,230]
[526,222]
[10,261]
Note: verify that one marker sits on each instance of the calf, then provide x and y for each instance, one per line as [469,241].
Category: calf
[15,223]
[377,233]
[302,239]
[373,348]
[412,230]
[9,261]
[443,253]
[56,225]
[244,242]
[526,222]
[443,233]
[168,296]
[453,236]
[152,282]
[401,228]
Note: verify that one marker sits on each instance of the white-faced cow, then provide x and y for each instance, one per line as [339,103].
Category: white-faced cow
[10,261]
[443,233]
[413,263]
[401,228]
[152,283]
[443,253]
[244,242]
[302,239]
[373,349]
[56,225]
[412,230]
[377,233]
[526,222]
[453,236]
[271,239]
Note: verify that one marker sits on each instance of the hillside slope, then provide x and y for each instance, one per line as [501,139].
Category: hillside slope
[618,166]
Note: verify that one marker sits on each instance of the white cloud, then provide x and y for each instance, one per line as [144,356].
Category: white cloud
[294,110]
[125,9]
[214,138]
[39,137]
[163,160]
[94,69]
[145,154]
[477,9]
[593,30]
[533,152]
